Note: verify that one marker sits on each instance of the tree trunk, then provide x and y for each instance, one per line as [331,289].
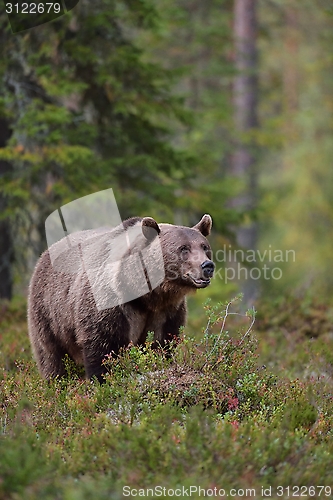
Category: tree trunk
[290,71]
[6,244]
[245,115]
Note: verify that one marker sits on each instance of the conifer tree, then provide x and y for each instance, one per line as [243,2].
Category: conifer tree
[87,112]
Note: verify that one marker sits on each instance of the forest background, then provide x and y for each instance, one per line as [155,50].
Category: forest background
[142,97]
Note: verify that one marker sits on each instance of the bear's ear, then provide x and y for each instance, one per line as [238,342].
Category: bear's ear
[205,225]
[150,228]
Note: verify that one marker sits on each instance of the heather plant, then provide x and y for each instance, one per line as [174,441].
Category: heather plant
[207,413]
[218,371]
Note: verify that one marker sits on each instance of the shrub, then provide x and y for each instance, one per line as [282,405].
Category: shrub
[219,371]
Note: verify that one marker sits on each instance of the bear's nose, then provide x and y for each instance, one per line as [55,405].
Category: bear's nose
[208,268]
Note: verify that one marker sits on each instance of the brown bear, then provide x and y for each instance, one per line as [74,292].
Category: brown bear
[67,316]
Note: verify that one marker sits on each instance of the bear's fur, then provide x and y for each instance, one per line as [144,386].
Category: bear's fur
[62,313]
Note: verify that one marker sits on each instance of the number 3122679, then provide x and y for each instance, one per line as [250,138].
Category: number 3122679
[33,8]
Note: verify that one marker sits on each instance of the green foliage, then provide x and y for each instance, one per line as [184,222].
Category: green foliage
[211,411]
[195,40]
[300,414]
[296,113]
[301,316]
[216,372]
[87,112]
[300,327]
[24,462]
[96,99]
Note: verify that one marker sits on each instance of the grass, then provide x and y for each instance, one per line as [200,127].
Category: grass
[232,409]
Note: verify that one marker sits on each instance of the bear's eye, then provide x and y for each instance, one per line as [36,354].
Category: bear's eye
[205,248]
[184,249]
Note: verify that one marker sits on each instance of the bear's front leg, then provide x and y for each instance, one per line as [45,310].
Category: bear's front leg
[169,328]
[93,364]
[100,335]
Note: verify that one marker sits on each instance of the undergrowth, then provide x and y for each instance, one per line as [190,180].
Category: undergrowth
[211,415]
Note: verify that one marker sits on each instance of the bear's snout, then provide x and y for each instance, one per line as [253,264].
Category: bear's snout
[208,268]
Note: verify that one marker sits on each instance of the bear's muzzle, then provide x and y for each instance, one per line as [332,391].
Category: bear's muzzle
[208,268]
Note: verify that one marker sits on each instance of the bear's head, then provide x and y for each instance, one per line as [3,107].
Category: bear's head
[186,252]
